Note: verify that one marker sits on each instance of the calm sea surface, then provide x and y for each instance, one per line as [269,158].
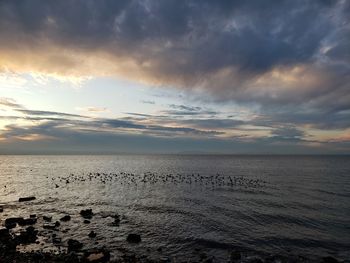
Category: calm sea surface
[281,205]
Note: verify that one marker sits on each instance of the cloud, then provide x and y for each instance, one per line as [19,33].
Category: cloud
[8,102]
[92,109]
[182,110]
[34,131]
[148,102]
[272,52]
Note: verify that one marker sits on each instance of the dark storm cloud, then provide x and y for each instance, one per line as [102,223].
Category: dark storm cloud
[189,42]
[288,58]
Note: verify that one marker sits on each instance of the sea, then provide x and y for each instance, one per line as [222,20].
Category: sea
[185,205]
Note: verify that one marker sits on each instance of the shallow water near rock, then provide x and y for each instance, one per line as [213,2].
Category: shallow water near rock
[183,205]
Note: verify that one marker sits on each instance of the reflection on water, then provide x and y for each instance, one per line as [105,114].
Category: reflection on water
[289,205]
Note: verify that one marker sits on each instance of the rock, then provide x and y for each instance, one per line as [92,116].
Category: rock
[329,260]
[133,238]
[47,218]
[98,256]
[92,234]
[116,220]
[27,237]
[6,241]
[13,221]
[57,224]
[86,221]
[235,255]
[49,226]
[10,225]
[56,240]
[66,218]
[1,209]
[25,199]
[74,245]
[28,221]
[4,234]
[87,214]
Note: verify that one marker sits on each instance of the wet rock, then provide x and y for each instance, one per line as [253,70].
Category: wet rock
[47,218]
[235,255]
[99,256]
[56,240]
[10,225]
[133,238]
[329,260]
[49,226]
[4,235]
[74,245]
[255,260]
[66,218]
[87,214]
[13,221]
[92,234]
[6,241]
[25,199]
[116,220]
[27,222]
[27,237]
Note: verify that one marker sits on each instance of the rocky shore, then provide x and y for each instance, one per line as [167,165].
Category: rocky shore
[17,232]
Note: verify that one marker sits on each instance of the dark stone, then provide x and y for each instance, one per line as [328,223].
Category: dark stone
[65,218]
[28,221]
[56,240]
[7,244]
[74,245]
[10,225]
[57,224]
[13,221]
[329,260]
[27,237]
[86,221]
[1,209]
[4,235]
[116,220]
[235,255]
[87,214]
[24,199]
[47,218]
[133,238]
[49,226]
[92,234]
[32,216]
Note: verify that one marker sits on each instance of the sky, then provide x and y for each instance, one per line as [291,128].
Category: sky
[174,76]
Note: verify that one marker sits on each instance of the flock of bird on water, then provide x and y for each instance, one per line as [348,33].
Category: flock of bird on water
[150,178]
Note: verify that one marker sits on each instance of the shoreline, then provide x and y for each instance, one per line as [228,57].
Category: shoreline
[20,232]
